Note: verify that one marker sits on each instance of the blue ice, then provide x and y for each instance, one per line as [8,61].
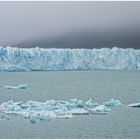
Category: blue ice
[113,103]
[50,109]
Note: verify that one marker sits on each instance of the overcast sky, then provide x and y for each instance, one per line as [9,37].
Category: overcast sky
[21,21]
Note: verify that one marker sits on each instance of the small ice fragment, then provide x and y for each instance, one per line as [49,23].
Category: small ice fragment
[16,87]
[22,86]
[134,105]
[66,116]
[33,119]
[113,103]
[45,115]
[89,103]
[4,116]
[11,87]
[60,112]
[51,114]
[51,102]
[99,110]
[78,111]
[80,103]
[16,108]
[70,105]
[73,100]
[25,114]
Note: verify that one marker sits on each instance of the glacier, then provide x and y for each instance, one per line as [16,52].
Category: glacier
[40,59]
[51,109]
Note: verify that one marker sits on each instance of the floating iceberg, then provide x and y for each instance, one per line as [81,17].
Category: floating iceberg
[90,104]
[113,103]
[19,59]
[16,87]
[66,116]
[79,111]
[99,110]
[50,109]
[134,105]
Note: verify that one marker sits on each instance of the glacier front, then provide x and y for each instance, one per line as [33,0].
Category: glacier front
[39,59]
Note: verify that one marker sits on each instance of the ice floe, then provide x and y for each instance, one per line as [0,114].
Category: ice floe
[113,103]
[79,111]
[50,109]
[89,103]
[99,110]
[24,86]
[134,105]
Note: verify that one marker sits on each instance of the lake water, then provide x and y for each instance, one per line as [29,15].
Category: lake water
[101,85]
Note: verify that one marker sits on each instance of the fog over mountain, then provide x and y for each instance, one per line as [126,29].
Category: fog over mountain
[70,24]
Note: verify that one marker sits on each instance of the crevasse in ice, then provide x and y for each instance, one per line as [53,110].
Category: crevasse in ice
[50,109]
[21,59]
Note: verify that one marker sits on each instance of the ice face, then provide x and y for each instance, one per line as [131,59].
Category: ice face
[50,109]
[17,59]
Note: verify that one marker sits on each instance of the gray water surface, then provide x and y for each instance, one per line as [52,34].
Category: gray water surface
[121,122]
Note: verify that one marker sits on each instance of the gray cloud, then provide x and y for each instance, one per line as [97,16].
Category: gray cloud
[21,21]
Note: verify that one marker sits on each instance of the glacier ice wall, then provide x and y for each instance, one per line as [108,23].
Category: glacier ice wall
[21,59]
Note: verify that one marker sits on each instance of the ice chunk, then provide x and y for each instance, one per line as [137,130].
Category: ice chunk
[33,119]
[89,102]
[22,86]
[50,109]
[4,116]
[79,111]
[11,87]
[41,115]
[17,87]
[113,103]
[79,103]
[60,113]
[134,105]
[9,105]
[76,102]
[65,116]
[99,110]
[17,59]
